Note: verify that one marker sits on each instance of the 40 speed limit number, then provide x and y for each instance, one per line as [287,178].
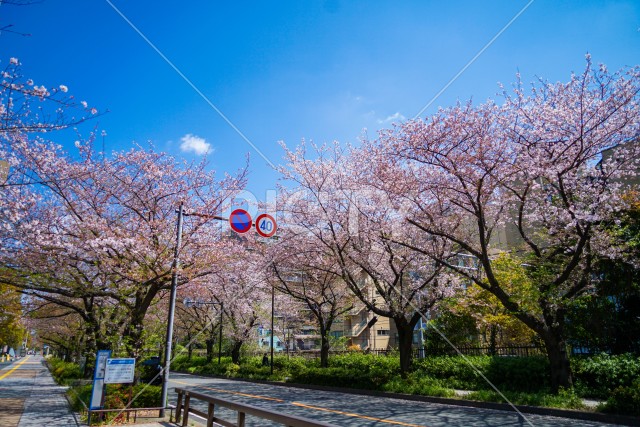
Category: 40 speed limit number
[266,225]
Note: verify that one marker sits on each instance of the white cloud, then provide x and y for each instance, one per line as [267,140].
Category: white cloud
[392,118]
[195,144]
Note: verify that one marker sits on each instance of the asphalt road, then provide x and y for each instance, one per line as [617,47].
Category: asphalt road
[349,410]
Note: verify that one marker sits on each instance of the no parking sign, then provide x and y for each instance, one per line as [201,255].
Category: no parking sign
[240,221]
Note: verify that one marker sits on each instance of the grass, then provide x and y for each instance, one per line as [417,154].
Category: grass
[566,399]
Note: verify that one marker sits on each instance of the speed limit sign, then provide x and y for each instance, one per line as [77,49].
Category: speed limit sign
[266,225]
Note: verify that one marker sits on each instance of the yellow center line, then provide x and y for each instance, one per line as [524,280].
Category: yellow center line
[350,414]
[255,396]
[335,411]
[14,368]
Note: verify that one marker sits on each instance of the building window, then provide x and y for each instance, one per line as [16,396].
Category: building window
[383,332]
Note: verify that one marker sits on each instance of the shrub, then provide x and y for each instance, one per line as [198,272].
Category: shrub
[625,400]
[527,374]
[63,371]
[602,374]
[79,394]
[508,373]
[145,396]
[454,371]
[232,370]
[417,384]
[334,377]
[565,399]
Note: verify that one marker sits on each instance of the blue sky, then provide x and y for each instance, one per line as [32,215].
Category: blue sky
[320,70]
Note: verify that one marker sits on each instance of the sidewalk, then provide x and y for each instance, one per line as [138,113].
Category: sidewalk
[29,397]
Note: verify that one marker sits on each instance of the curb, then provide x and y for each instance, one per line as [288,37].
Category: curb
[534,410]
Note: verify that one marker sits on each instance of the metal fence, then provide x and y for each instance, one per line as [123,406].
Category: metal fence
[467,350]
[184,409]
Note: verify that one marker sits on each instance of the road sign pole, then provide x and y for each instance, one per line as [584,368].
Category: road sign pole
[273,303]
[172,309]
[220,338]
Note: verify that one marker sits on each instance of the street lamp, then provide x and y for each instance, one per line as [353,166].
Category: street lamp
[188,302]
[172,301]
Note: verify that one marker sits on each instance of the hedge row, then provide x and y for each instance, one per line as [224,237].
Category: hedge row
[523,379]
[597,376]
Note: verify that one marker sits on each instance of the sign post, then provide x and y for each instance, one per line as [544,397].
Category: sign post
[97,391]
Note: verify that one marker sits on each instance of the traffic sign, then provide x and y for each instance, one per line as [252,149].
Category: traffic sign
[240,221]
[266,225]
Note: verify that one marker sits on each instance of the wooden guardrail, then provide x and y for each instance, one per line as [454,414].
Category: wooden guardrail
[183,409]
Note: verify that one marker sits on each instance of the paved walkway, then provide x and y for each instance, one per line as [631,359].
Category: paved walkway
[29,397]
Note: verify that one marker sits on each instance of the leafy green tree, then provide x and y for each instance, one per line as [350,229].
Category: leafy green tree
[608,319]
[11,329]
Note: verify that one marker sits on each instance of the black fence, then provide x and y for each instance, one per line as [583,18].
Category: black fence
[506,351]
[468,350]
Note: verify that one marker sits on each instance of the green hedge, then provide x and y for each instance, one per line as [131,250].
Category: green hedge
[600,375]
[625,400]
[521,374]
[63,371]
[524,380]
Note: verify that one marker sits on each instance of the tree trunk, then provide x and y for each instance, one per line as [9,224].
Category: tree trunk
[405,342]
[209,342]
[493,331]
[132,339]
[90,351]
[324,348]
[550,329]
[559,364]
[235,352]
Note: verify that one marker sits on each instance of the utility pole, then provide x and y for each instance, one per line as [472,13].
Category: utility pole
[172,309]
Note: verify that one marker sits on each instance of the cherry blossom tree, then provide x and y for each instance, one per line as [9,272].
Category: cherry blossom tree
[333,203]
[28,109]
[198,321]
[56,327]
[307,273]
[235,282]
[27,112]
[103,231]
[547,167]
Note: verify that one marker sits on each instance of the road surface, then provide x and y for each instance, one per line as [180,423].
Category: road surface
[349,410]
